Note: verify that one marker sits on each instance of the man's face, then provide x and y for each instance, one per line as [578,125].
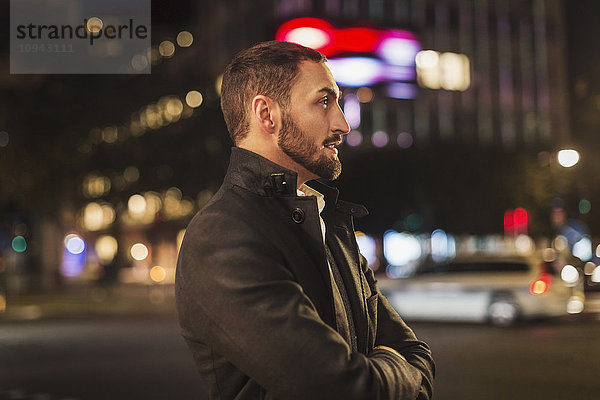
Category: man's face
[314,123]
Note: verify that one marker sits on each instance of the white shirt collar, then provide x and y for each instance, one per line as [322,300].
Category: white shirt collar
[306,190]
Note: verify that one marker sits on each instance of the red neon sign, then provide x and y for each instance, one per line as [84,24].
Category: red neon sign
[329,40]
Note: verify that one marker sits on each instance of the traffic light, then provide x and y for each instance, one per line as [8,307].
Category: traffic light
[515,221]
[19,244]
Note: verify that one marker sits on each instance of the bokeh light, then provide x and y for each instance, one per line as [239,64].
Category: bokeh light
[368,248]
[588,268]
[352,110]
[136,204]
[74,244]
[365,94]
[449,71]
[93,216]
[456,73]
[166,49]
[185,39]
[402,90]
[173,108]
[74,255]
[356,71]
[354,138]
[218,84]
[443,246]
[549,254]
[19,244]
[405,140]
[309,37]
[575,305]
[97,216]
[524,244]
[139,62]
[380,139]
[539,287]
[427,59]
[94,25]
[585,206]
[158,274]
[106,248]
[400,248]
[399,50]
[193,98]
[568,157]
[569,274]
[560,243]
[110,134]
[139,251]
[582,249]
[96,185]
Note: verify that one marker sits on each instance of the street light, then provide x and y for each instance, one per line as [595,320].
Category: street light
[568,157]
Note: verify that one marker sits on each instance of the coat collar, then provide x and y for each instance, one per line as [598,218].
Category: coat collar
[263,177]
[255,173]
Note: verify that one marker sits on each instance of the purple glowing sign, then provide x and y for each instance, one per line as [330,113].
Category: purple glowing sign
[386,55]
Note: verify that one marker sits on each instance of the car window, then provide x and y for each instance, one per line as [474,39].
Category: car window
[469,267]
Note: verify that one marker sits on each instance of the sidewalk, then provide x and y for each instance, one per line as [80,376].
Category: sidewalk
[123,300]
[86,300]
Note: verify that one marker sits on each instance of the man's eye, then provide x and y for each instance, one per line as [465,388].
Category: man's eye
[325,101]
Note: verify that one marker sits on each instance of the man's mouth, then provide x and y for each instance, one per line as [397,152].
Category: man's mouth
[332,145]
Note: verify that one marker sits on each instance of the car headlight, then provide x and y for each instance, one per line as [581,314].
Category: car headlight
[575,305]
[570,275]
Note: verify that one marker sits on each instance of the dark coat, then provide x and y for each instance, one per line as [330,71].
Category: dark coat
[255,303]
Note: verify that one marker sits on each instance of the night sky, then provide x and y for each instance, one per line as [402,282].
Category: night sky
[583,50]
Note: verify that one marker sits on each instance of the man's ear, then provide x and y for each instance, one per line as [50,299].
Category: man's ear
[266,113]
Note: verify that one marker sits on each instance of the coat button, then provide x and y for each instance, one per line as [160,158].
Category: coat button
[298,215]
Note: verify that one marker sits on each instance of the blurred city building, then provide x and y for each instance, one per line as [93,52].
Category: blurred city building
[514,92]
[146,152]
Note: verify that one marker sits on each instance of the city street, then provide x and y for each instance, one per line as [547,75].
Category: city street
[143,357]
[147,141]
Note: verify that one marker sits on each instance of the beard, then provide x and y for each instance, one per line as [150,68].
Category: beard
[294,142]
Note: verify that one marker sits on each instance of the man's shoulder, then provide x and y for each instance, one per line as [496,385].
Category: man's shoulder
[227,220]
[229,199]
[231,206]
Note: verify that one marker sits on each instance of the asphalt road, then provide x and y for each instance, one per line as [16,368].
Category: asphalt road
[143,357]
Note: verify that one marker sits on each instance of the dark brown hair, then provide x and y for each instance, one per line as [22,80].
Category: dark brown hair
[267,68]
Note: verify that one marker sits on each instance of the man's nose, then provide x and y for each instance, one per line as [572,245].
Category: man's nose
[340,125]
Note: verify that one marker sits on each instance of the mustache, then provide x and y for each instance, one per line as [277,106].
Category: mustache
[333,139]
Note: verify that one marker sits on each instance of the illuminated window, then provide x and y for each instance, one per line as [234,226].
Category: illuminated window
[449,71]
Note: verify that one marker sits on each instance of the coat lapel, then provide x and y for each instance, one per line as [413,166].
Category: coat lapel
[317,280]
[338,237]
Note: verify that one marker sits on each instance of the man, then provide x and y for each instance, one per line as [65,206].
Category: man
[274,299]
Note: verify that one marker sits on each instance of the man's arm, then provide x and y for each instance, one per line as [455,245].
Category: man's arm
[394,335]
[235,294]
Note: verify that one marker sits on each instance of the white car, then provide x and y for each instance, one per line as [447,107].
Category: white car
[498,289]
